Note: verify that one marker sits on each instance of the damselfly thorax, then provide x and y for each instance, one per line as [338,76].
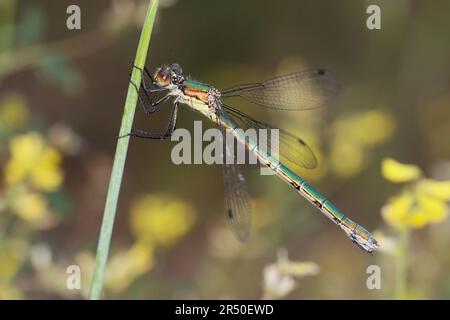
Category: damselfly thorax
[200,97]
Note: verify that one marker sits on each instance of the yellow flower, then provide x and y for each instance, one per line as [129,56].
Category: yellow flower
[161,219]
[438,189]
[429,210]
[125,266]
[34,161]
[12,255]
[366,128]
[13,112]
[397,172]
[32,207]
[414,210]
[354,135]
[8,291]
[422,202]
[346,158]
[374,127]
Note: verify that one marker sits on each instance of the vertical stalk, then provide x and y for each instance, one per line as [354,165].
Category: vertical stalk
[401,264]
[120,156]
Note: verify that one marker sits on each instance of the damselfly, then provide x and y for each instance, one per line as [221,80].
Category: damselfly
[297,91]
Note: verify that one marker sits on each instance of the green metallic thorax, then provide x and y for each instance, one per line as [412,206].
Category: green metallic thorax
[194,85]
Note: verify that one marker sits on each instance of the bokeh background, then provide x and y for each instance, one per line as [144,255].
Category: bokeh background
[61,100]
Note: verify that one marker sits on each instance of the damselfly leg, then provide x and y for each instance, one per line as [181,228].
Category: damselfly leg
[149,106]
[157,135]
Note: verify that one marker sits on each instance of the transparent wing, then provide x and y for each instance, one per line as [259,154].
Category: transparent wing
[237,198]
[292,150]
[297,91]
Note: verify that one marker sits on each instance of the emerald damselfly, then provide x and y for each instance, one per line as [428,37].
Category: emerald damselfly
[296,91]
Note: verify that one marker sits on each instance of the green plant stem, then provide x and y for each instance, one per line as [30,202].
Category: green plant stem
[401,264]
[120,156]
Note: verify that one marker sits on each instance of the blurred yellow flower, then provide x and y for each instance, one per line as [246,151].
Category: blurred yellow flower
[373,127]
[9,291]
[13,112]
[12,255]
[353,135]
[32,207]
[279,277]
[414,210]
[422,202]
[125,266]
[161,219]
[438,189]
[397,172]
[34,161]
[346,158]
[366,128]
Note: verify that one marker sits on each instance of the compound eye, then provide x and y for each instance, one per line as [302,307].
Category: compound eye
[163,77]
[176,68]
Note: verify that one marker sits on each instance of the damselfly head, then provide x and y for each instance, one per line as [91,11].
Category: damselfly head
[177,73]
[167,75]
[176,68]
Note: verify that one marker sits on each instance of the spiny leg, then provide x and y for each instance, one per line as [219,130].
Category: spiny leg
[149,109]
[157,135]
